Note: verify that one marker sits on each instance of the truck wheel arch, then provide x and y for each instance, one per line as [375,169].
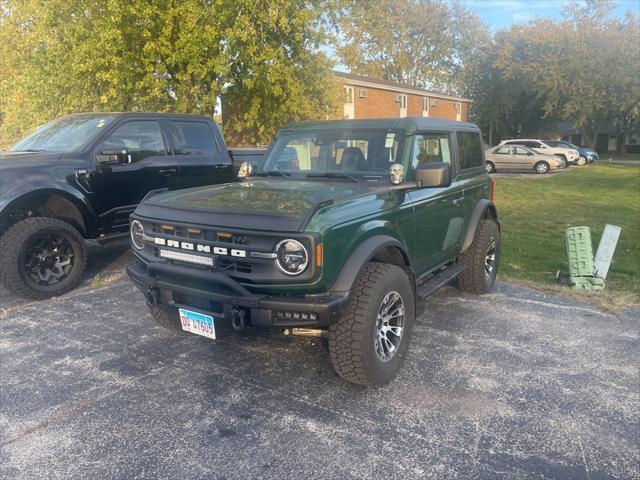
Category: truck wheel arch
[50,203]
[483,209]
[383,248]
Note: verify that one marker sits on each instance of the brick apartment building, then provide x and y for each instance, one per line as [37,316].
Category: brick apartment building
[371,98]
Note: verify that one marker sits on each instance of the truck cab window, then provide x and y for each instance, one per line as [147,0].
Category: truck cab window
[140,138]
[194,138]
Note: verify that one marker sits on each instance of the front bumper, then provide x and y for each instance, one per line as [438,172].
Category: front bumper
[205,291]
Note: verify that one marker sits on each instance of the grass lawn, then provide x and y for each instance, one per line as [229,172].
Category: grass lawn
[535,210]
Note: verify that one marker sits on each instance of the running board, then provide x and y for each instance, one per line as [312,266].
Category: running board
[437,281]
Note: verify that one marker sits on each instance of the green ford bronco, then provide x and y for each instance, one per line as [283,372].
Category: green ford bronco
[344,228]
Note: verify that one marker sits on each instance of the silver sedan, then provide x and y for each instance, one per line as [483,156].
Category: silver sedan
[518,157]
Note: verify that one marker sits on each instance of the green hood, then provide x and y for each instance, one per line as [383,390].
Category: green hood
[265,204]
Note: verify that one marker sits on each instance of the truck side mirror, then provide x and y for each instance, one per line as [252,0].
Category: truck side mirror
[112,157]
[433,175]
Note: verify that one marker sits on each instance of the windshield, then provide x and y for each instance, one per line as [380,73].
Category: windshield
[352,154]
[62,135]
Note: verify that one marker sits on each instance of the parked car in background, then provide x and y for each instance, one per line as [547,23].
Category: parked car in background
[80,176]
[569,155]
[586,155]
[518,157]
[240,155]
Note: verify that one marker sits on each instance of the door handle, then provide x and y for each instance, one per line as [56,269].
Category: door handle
[456,201]
[168,172]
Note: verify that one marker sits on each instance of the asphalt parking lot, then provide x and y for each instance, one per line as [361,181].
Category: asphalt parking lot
[513,385]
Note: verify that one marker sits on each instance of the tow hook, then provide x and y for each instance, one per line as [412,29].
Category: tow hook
[237,320]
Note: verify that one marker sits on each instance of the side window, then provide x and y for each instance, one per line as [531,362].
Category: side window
[534,145]
[470,149]
[194,138]
[521,151]
[502,151]
[140,139]
[431,148]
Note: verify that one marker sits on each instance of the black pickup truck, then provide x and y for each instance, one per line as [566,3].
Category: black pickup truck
[80,176]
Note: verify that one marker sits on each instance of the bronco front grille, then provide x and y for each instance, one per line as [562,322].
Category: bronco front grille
[194,233]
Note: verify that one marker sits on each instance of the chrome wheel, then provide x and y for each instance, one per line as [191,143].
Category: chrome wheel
[490,258]
[389,326]
[48,259]
[542,167]
[582,161]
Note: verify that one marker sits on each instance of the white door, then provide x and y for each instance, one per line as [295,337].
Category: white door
[403,105]
[349,104]
[458,106]
[425,107]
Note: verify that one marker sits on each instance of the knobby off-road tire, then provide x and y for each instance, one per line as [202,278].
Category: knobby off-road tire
[167,317]
[27,236]
[484,253]
[352,340]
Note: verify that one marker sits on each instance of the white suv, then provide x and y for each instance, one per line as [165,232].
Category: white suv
[569,155]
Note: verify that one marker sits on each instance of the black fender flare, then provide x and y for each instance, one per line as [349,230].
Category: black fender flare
[361,256]
[482,208]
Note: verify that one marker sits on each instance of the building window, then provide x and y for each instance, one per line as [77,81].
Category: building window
[348,91]
[363,93]
[458,107]
[425,107]
[402,100]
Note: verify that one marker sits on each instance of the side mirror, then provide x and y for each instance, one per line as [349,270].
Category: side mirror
[433,175]
[247,169]
[112,157]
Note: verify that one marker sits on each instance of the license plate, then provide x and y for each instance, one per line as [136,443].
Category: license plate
[197,323]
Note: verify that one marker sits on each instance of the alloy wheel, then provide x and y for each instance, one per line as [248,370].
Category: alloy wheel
[389,326]
[490,259]
[48,259]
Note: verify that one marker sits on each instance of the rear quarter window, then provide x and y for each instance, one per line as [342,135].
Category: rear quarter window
[470,149]
[194,138]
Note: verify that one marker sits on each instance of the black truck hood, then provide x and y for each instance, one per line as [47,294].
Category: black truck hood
[21,160]
[273,205]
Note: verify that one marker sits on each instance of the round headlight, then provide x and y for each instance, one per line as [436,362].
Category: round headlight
[292,257]
[137,234]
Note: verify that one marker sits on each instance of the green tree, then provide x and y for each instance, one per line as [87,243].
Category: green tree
[426,43]
[63,56]
[584,69]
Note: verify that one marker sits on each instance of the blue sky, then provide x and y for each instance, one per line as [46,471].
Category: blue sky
[503,13]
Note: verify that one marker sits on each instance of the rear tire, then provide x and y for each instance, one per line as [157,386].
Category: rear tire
[166,317]
[358,340]
[490,166]
[541,167]
[42,257]
[482,259]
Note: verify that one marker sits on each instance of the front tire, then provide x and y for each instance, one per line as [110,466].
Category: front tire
[41,257]
[370,341]
[582,161]
[541,167]
[482,259]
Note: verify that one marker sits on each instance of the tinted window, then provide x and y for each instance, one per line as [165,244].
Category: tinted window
[141,139]
[533,144]
[431,148]
[194,138]
[470,148]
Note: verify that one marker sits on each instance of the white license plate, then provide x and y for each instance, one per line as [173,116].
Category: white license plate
[197,323]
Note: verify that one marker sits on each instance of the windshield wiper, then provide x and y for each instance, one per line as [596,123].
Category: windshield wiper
[30,150]
[272,173]
[333,175]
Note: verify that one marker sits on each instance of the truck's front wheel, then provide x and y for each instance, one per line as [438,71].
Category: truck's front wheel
[370,341]
[41,257]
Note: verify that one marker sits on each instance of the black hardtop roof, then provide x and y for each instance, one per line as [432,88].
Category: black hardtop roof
[410,124]
[137,114]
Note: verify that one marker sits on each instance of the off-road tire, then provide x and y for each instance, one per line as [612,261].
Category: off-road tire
[490,167]
[473,278]
[351,339]
[167,317]
[546,169]
[582,161]
[14,241]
